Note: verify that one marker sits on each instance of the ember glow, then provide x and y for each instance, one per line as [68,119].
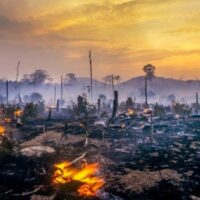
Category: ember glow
[8,120]
[87,175]
[2,130]
[130,112]
[18,113]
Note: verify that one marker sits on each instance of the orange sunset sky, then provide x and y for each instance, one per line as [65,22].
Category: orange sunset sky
[56,35]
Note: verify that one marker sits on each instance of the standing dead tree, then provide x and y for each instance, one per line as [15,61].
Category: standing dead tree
[91,74]
[111,79]
[54,101]
[61,87]
[115,105]
[7,92]
[150,71]
[17,87]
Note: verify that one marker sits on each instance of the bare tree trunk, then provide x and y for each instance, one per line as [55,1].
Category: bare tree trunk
[58,105]
[55,95]
[115,105]
[197,99]
[7,92]
[91,74]
[61,88]
[113,87]
[99,106]
[49,117]
[145,90]
[152,129]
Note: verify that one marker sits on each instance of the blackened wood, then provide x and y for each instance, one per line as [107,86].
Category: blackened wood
[58,105]
[115,105]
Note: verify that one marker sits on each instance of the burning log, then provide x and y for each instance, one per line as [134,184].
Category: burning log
[8,120]
[131,112]
[18,113]
[91,184]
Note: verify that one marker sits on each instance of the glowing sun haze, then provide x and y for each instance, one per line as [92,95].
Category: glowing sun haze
[56,35]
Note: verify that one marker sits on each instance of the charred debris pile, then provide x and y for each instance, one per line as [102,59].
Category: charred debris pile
[103,151]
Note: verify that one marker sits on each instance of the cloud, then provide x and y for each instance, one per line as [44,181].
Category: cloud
[11,29]
[122,34]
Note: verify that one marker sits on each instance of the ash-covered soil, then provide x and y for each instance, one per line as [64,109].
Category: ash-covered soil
[133,168]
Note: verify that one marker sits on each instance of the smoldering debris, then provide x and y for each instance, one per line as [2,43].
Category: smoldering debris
[139,154]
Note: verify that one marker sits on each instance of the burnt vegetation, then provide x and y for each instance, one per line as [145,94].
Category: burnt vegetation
[132,143]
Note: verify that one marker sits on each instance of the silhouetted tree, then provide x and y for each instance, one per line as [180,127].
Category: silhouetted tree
[26,98]
[117,78]
[129,103]
[70,79]
[102,97]
[159,110]
[35,97]
[108,79]
[171,98]
[37,77]
[150,71]
[181,109]
[32,111]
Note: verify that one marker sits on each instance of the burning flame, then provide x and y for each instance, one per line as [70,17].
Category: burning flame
[18,113]
[2,130]
[91,184]
[8,120]
[147,111]
[130,112]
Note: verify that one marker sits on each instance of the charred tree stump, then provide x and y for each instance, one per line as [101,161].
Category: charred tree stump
[49,116]
[115,105]
[99,105]
[81,105]
[65,128]
[58,105]
[129,103]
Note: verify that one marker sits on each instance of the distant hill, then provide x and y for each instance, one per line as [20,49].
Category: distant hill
[162,87]
[159,88]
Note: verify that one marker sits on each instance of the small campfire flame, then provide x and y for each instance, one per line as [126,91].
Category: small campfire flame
[147,111]
[8,120]
[91,184]
[18,113]
[130,112]
[2,130]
